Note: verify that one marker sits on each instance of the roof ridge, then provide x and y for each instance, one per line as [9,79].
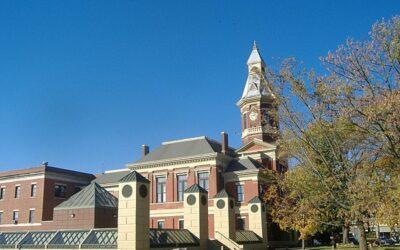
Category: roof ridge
[184,140]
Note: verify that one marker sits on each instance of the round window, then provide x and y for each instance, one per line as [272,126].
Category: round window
[191,199]
[143,191]
[254,208]
[231,204]
[127,191]
[220,204]
[203,200]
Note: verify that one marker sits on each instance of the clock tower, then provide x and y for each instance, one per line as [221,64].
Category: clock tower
[257,104]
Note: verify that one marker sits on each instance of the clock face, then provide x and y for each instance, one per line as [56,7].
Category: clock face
[253,116]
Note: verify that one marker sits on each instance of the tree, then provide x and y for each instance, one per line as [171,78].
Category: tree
[339,128]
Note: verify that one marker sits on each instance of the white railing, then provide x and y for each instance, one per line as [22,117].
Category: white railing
[229,243]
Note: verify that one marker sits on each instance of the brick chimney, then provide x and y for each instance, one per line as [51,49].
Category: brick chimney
[224,142]
[145,150]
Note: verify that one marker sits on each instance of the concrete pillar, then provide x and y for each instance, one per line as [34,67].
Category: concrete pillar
[224,215]
[195,213]
[133,212]
[258,218]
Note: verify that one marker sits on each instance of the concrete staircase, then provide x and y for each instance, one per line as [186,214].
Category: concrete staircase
[216,245]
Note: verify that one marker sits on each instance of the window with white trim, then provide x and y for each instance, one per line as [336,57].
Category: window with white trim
[202,178]
[33,190]
[2,193]
[15,216]
[160,224]
[239,193]
[60,190]
[17,193]
[161,189]
[181,183]
[31,215]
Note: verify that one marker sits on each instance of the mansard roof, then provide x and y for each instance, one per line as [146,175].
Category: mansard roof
[243,164]
[184,148]
[92,196]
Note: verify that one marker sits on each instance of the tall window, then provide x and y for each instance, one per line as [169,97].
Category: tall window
[60,191]
[244,120]
[239,193]
[181,224]
[33,190]
[161,189]
[203,180]
[2,193]
[17,191]
[181,182]
[160,224]
[15,216]
[31,215]
[1,217]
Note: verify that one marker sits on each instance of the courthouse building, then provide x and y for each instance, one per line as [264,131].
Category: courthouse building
[174,183]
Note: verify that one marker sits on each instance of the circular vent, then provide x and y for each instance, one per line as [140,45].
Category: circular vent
[220,204]
[191,199]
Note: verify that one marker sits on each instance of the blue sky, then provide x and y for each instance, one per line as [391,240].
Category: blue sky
[83,84]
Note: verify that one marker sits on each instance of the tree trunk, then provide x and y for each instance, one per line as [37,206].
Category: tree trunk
[303,244]
[345,230]
[363,236]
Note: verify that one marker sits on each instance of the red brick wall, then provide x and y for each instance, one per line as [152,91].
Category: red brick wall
[50,201]
[23,203]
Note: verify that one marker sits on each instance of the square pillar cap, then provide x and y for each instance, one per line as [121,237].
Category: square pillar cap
[222,194]
[195,188]
[255,199]
[134,177]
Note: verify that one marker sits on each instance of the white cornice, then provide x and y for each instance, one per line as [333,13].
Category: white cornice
[171,162]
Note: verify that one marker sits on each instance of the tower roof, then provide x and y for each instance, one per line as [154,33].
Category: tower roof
[255,56]
[92,196]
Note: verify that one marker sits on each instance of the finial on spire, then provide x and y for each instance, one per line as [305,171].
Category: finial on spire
[254,44]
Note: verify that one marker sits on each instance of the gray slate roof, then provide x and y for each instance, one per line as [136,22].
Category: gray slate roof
[134,176]
[92,196]
[111,178]
[243,164]
[184,148]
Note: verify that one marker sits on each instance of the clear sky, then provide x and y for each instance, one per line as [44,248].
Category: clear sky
[83,84]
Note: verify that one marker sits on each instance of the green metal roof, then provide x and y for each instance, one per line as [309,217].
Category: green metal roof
[247,237]
[255,199]
[134,176]
[195,188]
[92,196]
[101,238]
[172,238]
[92,239]
[36,239]
[68,239]
[222,194]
